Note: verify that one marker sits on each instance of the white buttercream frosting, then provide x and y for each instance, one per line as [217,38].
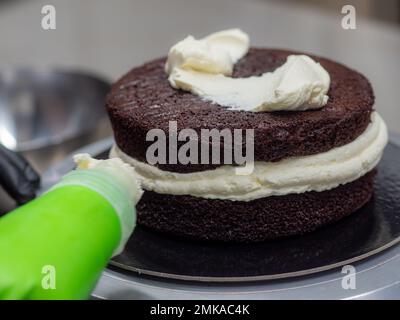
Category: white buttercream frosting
[215,54]
[117,168]
[203,67]
[317,172]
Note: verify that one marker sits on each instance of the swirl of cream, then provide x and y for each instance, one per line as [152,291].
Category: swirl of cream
[204,66]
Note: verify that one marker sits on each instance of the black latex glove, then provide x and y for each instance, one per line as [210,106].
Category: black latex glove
[17,177]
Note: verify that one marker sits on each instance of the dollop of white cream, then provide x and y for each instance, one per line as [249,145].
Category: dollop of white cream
[117,168]
[215,54]
[317,172]
[203,67]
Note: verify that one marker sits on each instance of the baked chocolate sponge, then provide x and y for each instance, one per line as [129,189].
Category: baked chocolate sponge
[252,221]
[143,99]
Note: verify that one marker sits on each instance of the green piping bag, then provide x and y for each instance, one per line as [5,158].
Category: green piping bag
[56,246]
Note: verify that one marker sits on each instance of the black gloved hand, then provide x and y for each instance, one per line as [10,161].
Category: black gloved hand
[17,177]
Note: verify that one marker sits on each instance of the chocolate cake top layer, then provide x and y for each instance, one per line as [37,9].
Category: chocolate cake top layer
[143,100]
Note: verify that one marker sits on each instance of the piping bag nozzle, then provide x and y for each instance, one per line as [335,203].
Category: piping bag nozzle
[56,246]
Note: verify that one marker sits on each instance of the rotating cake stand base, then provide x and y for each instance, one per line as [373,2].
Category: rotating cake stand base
[155,266]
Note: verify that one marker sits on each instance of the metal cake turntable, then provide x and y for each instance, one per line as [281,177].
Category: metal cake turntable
[155,266]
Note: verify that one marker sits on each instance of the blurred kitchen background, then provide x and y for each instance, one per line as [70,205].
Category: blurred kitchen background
[386,10]
[106,38]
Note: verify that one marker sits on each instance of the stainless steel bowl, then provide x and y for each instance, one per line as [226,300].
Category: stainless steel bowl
[43,110]
[46,114]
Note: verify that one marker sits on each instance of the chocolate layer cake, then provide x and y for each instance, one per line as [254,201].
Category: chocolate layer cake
[312,167]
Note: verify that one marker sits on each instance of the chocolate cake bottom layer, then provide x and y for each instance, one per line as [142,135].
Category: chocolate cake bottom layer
[257,220]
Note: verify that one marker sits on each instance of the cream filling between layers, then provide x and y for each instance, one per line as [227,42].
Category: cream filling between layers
[317,172]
